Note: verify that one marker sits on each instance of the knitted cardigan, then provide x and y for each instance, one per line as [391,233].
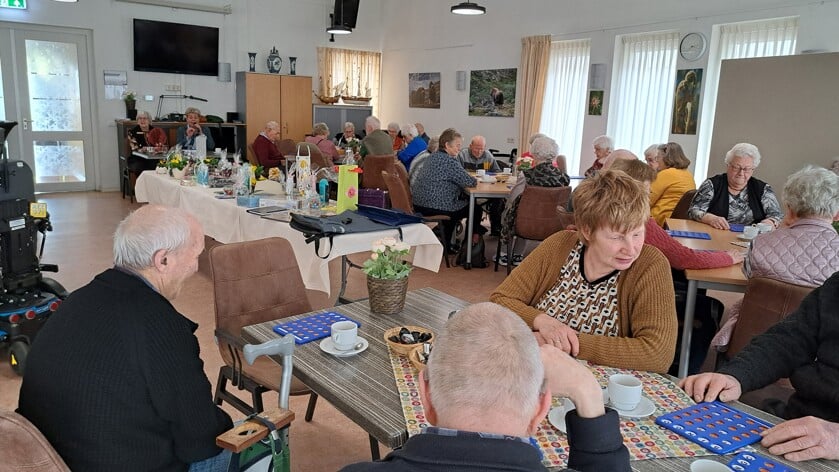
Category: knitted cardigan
[648,327]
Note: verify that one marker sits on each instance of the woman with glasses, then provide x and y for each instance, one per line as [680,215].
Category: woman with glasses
[671,182]
[736,197]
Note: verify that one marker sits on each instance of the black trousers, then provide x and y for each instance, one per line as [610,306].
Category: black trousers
[456,216]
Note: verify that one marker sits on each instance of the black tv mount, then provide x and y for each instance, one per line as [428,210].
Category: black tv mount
[162,97]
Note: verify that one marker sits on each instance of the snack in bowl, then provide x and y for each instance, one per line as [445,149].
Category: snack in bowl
[402,339]
[502,177]
[419,356]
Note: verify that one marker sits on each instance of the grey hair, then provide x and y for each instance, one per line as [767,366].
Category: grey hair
[485,360]
[393,126]
[743,150]
[544,149]
[373,122]
[409,129]
[192,110]
[349,124]
[603,142]
[272,125]
[652,150]
[434,144]
[812,192]
[143,113]
[320,129]
[147,230]
[535,136]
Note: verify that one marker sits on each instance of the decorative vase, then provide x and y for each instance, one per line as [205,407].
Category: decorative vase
[178,173]
[292,64]
[131,109]
[387,296]
[252,62]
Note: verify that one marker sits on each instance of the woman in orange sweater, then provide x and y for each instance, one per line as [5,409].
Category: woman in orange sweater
[672,181]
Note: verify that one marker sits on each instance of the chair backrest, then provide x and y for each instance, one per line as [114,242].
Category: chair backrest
[287,147]
[253,282]
[766,302]
[252,159]
[373,167]
[398,191]
[25,448]
[319,161]
[681,209]
[537,216]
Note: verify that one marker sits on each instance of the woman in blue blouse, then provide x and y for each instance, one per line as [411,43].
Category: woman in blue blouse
[438,188]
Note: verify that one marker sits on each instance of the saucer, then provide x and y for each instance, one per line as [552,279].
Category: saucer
[744,237]
[328,347]
[556,416]
[645,407]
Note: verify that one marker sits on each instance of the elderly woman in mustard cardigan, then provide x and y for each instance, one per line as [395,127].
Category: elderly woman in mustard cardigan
[598,293]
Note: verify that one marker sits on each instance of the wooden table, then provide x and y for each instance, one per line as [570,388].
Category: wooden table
[482,190]
[729,279]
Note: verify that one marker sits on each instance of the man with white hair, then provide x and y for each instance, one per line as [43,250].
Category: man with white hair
[476,156]
[114,381]
[265,146]
[413,146]
[376,142]
[487,387]
[603,145]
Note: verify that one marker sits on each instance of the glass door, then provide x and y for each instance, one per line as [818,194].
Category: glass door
[52,107]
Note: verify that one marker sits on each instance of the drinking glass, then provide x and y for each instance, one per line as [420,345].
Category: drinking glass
[487,165]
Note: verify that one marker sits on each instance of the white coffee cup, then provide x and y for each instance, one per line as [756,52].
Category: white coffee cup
[624,391]
[507,170]
[344,335]
[764,227]
[707,465]
[750,232]
[480,172]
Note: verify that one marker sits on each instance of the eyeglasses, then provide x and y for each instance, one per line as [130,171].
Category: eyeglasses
[738,169]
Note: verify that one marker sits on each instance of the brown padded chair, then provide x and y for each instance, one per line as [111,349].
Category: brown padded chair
[319,161]
[252,159]
[287,147]
[254,282]
[400,199]
[25,448]
[681,209]
[537,218]
[373,167]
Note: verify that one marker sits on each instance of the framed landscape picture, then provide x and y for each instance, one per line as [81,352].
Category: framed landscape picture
[492,92]
[424,90]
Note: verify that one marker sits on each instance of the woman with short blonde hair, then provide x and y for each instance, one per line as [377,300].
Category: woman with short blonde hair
[672,181]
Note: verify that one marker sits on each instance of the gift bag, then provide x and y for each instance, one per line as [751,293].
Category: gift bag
[347,187]
[303,167]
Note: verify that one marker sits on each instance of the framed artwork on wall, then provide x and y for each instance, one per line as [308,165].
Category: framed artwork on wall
[424,90]
[686,101]
[595,102]
[492,92]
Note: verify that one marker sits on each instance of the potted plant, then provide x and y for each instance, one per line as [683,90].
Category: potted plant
[130,99]
[387,276]
[176,164]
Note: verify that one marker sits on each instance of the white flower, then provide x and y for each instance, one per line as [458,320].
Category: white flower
[374,256]
[389,242]
[401,246]
[377,248]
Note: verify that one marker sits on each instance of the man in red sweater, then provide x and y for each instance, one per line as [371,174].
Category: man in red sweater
[265,148]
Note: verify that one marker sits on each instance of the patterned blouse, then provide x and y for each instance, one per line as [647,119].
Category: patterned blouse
[587,307]
[440,182]
[739,211]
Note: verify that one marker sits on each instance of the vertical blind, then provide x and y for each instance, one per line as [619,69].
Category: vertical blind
[564,106]
[763,38]
[642,95]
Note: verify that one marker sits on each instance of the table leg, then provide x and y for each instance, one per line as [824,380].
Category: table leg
[687,329]
[346,265]
[374,448]
[468,264]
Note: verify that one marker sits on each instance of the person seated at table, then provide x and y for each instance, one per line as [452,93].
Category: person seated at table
[805,249]
[736,196]
[413,146]
[671,182]
[651,156]
[614,156]
[597,293]
[440,184]
[477,157]
[543,174]
[376,142]
[533,137]
[142,136]
[342,140]
[487,387]
[265,146]
[395,135]
[320,138]
[188,133]
[421,132]
[603,145]
[803,347]
[114,380]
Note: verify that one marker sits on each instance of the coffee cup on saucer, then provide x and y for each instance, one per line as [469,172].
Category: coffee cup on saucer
[344,335]
[480,172]
[764,227]
[624,391]
[707,465]
[507,171]
[750,232]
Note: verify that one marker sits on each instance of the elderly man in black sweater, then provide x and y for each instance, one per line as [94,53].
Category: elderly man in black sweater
[114,380]
[805,348]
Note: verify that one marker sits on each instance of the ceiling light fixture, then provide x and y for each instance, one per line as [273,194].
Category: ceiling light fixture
[338,29]
[468,8]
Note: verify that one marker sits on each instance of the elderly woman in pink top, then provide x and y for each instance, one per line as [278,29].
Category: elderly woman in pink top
[320,138]
[805,250]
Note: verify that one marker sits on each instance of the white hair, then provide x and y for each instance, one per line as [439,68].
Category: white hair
[535,136]
[143,113]
[743,150]
[651,151]
[409,129]
[373,122]
[393,126]
[812,192]
[272,125]
[603,142]
[349,124]
[485,360]
[147,230]
[544,149]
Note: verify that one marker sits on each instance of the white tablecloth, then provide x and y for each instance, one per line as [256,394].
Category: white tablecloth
[227,223]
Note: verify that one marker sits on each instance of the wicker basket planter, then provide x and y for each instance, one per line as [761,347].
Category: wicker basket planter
[387,296]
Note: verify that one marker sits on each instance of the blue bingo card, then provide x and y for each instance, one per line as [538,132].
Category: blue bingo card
[688,234]
[715,426]
[311,328]
[736,228]
[751,462]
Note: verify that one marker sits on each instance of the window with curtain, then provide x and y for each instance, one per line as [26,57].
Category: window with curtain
[349,73]
[763,38]
[564,106]
[642,91]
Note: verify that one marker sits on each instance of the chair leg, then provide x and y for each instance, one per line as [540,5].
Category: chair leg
[374,448]
[256,395]
[498,254]
[310,408]
[510,254]
[221,385]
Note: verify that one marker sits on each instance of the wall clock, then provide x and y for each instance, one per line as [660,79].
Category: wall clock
[693,46]
[275,63]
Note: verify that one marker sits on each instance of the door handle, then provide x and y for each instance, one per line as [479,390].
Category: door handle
[26,122]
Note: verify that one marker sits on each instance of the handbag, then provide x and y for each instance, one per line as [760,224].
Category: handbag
[388,216]
[374,197]
[270,454]
[316,228]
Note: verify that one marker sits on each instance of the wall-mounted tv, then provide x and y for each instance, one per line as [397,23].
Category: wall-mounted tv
[174,47]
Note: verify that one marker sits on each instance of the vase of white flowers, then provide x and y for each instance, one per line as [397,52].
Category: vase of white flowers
[387,276]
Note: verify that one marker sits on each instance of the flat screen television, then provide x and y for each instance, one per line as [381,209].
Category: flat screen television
[174,47]
[346,13]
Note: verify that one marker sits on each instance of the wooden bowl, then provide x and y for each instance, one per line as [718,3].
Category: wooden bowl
[415,357]
[404,349]
[502,177]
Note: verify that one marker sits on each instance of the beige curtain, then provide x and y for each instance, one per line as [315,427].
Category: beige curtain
[358,71]
[535,55]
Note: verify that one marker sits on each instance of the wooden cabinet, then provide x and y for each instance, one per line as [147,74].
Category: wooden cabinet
[286,99]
